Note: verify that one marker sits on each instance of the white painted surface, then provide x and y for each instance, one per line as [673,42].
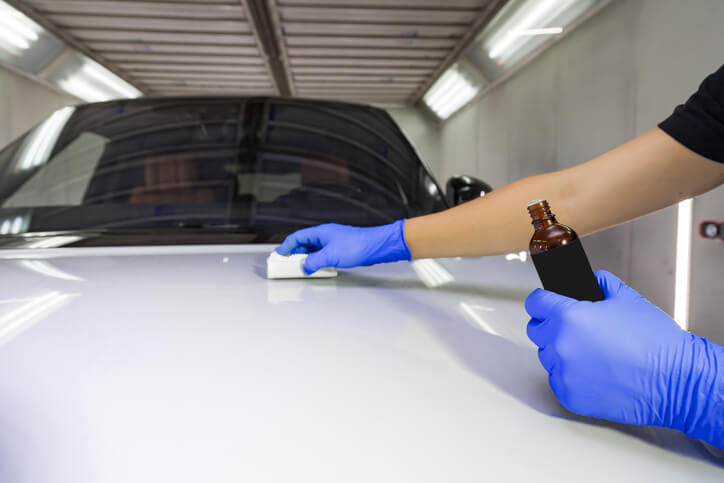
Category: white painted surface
[616,76]
[185,364]
[423,134]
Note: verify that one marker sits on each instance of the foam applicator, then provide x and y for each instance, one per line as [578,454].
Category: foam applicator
[279,266]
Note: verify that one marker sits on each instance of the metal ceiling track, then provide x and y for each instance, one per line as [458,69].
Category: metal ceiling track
[264,18]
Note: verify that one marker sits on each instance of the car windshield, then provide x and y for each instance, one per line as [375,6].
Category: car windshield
[207,170]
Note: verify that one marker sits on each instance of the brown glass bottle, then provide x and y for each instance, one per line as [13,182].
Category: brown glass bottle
[559,258]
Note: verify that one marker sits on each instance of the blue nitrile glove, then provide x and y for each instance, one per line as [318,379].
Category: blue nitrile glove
[343,246]
[625,360]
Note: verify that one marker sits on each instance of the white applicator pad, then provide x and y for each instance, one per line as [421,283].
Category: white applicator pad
[279,266]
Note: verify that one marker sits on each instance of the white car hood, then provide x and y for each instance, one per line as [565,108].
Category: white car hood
[185,364]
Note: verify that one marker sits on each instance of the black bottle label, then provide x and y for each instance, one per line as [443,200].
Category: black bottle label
[565,270]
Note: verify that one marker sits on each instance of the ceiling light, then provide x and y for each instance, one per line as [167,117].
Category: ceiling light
[451,91]
[16,30]
[94,83]
[82,89]
[529,18]
[106,77]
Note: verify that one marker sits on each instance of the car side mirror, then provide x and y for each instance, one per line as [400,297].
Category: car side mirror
[460,189]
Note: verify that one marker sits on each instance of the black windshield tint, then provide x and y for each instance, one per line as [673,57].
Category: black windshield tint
[258,165]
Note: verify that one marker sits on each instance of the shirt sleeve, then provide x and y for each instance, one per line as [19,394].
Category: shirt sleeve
[699,123]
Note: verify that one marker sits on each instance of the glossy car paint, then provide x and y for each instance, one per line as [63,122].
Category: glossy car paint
[184,364]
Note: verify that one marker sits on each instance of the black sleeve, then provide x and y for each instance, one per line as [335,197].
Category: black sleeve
[699,124]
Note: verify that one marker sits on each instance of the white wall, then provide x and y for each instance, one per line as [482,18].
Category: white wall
[423,134]
[615,77]
[24,103]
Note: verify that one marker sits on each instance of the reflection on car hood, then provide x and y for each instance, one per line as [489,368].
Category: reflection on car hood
[186,364]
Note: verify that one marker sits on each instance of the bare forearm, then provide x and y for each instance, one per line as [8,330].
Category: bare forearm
[644,175]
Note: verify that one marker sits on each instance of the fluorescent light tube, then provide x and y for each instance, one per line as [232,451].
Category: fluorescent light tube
[94,83]
[529,20]
[14,40]
[16,29]
[457,101]
[81,88]
[683,262]
[449,93]
[440,87]
[110,80]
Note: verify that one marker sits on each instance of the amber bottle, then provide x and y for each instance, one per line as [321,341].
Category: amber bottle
[559,258]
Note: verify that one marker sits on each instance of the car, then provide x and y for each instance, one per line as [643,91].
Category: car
[140,339]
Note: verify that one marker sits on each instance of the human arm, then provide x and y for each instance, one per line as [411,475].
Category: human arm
[648,173]
[625,360]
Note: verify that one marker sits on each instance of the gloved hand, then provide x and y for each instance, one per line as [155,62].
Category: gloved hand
[625,360]
[343,246]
